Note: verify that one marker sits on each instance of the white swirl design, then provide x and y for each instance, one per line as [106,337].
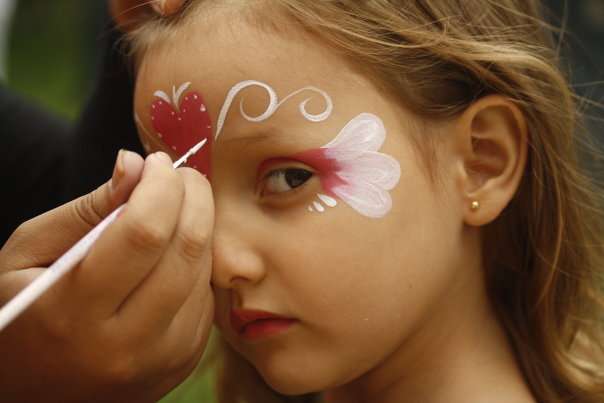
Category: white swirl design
[273,104]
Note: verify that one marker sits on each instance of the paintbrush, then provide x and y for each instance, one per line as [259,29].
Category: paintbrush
[67,261]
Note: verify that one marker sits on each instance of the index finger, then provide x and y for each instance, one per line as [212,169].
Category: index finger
[129,248]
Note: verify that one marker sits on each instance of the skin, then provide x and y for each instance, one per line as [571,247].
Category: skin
[122,326]
[389,309]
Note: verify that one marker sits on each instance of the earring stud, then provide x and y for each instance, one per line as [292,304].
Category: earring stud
[475,205]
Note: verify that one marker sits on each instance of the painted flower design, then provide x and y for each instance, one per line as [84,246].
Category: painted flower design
[351,168]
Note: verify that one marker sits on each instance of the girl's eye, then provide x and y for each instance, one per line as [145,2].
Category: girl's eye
[284,180]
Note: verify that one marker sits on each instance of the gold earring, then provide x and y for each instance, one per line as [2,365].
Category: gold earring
[475,205]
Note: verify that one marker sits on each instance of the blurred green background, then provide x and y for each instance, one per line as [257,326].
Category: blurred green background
[50,52]
[53,51]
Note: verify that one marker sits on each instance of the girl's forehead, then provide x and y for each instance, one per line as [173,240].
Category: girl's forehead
[227,79]
[217,59]
[239,81]
[282,107]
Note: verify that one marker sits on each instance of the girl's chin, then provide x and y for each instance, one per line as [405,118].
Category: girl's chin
[293,381]
[290,387]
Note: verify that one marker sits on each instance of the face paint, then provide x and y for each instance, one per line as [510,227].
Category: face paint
[273,104]
[351,168]
[182,124]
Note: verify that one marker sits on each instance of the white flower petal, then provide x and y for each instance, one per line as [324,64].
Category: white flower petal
[365,198]
[318,206]
[329,201]
[379,169]
[363,133]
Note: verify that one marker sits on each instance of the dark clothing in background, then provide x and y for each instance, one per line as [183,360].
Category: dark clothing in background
[105,126]
[47,162]
[33,149]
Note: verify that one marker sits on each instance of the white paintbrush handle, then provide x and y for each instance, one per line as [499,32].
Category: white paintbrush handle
[66,262]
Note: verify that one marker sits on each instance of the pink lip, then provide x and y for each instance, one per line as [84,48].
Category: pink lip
[254,324]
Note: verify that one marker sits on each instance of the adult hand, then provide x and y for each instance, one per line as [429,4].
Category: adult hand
[128,13]
[131,321]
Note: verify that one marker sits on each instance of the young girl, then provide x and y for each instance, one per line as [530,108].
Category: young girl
[400,213]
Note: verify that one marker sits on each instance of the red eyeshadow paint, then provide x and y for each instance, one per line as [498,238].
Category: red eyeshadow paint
[317,159]
[183,126]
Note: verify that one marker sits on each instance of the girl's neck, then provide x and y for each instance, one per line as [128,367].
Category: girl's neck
[459,354]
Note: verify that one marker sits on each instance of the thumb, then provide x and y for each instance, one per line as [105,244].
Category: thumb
[84,213]
[41,240]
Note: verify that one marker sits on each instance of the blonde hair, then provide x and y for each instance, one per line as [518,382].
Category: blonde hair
[440,56]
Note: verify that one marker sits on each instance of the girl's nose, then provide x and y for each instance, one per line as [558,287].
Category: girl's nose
[235,262]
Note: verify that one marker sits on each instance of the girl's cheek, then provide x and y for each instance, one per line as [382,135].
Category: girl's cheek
[146,143]
[150,143]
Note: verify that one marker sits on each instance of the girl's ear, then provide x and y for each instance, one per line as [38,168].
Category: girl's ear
[491,143]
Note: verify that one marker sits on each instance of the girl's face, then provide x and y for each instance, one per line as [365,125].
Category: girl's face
[304,228]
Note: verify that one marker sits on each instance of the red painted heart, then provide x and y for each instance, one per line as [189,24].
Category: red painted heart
[183,126]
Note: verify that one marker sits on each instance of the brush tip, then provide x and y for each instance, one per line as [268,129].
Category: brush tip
[198,146]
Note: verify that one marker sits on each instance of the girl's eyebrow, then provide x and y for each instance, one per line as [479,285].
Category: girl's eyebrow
[251,139]
[272,134]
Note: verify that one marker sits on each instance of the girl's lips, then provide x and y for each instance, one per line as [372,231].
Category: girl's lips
[265,327]
[254,324]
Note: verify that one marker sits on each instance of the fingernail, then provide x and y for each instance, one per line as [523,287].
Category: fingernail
[130,160]
[118,170]
[162,156]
